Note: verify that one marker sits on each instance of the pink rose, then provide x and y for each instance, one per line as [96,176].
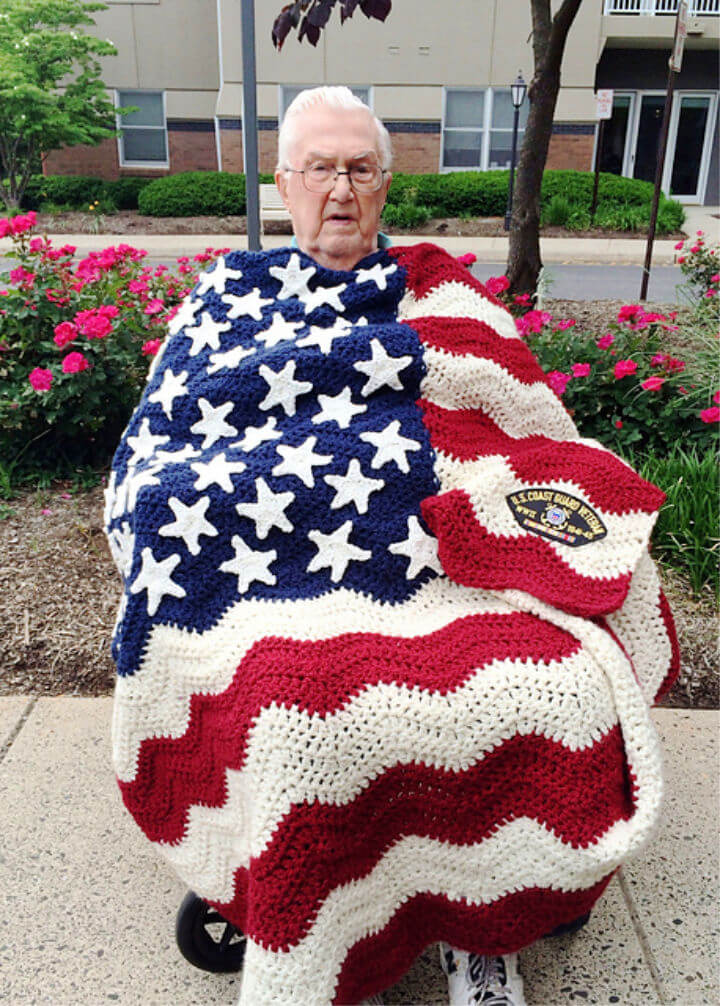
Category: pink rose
[151,348]
[618,424]
[681,259]
[679,245]
[558,381]
[624,368]
[522,299]
[606,341]
[154,306]
[5,228]
[40,379]
[673,365]
[715,278]
[695,249]
[565,324]
[653,383]
[96,327]
[716,398]
[711,415]
[497,284]
[108,311]
[580,369]
[74,363]
[658,360]
[65,332]
[629,312]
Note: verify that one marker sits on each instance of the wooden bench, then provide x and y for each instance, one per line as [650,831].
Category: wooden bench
[272,207]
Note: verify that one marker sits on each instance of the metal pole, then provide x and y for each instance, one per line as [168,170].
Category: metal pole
[598,152]
[662,147]
[508,211]
[250,126]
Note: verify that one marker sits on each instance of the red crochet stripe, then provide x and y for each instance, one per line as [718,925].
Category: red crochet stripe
[674,669]
[427,266]
[507,925]
[317,848]
[472,556]
[325,675]
[469,337]
[607,483]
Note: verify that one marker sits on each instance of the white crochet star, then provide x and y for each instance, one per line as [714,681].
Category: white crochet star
[186,315]
[283,388]
[420,548]
[189,523]
[207,333]
[381,368]
[229,360]
[294,279]
[390,445]
[156,578]
[300,461]
[377,274]
[122,545]
[144,442]
[280,330]
[250,304]
[249,565]
[335,551]
[212,426]
[172,387]
[216,471]
[324,295]
[186,452]
[136,481]
[269,510]
[217,278]
[323,337]
[256,435]
[338,408]
[353,487]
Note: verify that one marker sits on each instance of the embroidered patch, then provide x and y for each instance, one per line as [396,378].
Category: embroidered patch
[556,515]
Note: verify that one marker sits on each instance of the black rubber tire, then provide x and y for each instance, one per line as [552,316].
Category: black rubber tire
[220,950]
[570,927]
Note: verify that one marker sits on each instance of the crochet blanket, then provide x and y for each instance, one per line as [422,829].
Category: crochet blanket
[390,629]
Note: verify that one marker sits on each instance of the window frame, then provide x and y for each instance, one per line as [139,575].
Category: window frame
[122,160]
[281,109]
[485,131]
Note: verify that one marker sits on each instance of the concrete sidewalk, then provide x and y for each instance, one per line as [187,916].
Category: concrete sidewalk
[88,908]
[624,251]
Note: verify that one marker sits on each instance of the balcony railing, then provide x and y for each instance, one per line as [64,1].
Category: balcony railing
[698,8]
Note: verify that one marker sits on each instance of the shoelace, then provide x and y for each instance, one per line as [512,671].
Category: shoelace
[490,975]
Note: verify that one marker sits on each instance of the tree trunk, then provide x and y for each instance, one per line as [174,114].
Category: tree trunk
[549,36]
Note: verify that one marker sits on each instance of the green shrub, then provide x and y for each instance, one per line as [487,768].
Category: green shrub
[556,212]
[578,219]
[194,193]
[125,191]
[686,533]
[75,191]
[406,215]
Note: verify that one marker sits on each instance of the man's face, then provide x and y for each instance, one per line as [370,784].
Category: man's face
[339,227]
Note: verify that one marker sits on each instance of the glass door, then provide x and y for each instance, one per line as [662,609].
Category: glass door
[648,136]
[687,145]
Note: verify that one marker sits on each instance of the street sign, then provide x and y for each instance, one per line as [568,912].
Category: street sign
[604,104]
[681,23]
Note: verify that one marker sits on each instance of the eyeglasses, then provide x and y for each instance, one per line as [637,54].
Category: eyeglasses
[321,177]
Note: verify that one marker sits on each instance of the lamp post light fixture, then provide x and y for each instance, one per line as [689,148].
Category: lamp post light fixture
[517,91]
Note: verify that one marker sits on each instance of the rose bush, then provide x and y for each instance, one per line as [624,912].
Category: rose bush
[75,344]
[621,387]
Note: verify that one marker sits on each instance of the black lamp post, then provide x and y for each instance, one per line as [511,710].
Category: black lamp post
[518,91]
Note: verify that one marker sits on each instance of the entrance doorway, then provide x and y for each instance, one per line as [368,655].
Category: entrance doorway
[632,137]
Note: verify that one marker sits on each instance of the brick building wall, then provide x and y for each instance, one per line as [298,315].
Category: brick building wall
[571,147]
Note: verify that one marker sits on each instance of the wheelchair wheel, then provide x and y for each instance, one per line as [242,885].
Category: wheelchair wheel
[206,939]
[570,927]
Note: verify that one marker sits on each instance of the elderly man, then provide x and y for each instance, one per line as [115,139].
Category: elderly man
[390,628]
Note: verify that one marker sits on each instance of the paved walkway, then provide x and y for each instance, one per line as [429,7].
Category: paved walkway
[87,908]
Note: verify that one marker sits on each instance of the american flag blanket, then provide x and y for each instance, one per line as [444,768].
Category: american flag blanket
[390,628]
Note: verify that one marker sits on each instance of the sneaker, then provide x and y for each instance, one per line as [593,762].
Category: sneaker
[474,979]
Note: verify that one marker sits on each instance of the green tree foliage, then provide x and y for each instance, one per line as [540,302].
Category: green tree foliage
[51,94]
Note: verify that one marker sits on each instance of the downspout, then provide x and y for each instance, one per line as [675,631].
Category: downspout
[221,75]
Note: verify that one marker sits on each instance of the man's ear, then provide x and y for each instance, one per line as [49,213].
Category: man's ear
[388,179]
[281,180]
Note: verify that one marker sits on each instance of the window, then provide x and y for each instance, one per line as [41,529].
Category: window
[144,132]
[478,128]
[290,91]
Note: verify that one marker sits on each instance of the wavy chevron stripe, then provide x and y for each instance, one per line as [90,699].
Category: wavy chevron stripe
[362,704]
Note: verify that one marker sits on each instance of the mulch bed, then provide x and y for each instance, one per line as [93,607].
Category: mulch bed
[130,222]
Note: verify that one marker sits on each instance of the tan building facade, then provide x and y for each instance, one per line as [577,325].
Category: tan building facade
[437,74]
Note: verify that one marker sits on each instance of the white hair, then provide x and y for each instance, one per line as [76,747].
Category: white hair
[333,97]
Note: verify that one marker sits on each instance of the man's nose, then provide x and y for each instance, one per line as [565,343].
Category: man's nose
[342,190]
